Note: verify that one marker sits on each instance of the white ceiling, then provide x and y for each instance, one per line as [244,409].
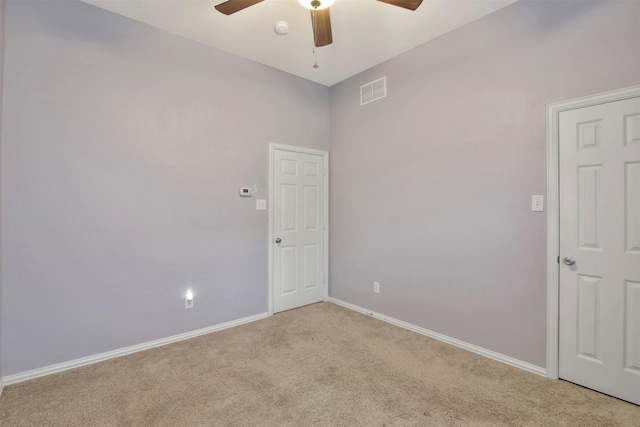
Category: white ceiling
[365,32]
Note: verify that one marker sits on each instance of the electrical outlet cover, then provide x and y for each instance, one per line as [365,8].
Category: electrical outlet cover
[188,303]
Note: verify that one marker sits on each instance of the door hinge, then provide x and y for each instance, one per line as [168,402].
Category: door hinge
[558,260]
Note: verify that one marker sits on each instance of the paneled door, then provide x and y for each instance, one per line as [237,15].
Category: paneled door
[599,330]
[298,229]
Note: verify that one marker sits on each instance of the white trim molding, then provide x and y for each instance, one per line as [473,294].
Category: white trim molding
[446,339]
[53,369]
[325,155]
[553,211]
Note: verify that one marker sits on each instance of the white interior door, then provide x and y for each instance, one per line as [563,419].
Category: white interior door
[298,193]
[599,330]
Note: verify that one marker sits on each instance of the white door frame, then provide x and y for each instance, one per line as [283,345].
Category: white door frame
[553,211]
[325,155]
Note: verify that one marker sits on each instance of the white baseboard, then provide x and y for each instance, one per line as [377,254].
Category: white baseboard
[461,344]
[52,369]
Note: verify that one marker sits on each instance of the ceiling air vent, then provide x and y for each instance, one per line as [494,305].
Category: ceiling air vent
[373,91]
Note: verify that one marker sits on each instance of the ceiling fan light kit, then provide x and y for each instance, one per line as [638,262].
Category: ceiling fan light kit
[320,18]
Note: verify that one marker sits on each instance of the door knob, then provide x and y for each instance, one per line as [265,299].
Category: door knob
[278,240]
[569,260]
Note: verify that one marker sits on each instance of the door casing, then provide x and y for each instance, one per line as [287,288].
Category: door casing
[325,155]
[553,212]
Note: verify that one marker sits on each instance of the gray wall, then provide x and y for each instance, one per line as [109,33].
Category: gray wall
[431,186]
[124,147]
[2,9]
[124,150]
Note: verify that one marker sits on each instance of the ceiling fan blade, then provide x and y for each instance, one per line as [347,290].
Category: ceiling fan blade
[407,4]
[233,6]
[321,22]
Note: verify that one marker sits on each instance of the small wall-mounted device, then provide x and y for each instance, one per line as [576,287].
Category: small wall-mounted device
[537,203]
[188,300]
[245,191]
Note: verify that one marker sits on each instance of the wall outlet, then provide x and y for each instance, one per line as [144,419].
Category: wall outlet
[376,287]
[188,301]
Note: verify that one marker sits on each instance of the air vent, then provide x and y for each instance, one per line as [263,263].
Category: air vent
[373,91]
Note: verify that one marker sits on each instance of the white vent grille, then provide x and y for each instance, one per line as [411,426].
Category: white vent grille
[373,91]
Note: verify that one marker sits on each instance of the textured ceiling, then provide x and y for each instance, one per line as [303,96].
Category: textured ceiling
[365,32]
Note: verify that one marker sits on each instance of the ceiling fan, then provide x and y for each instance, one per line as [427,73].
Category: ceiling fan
[320,18]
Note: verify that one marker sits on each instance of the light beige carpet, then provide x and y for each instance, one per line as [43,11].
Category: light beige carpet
[318,365]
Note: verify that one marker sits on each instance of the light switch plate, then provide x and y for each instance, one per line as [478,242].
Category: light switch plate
[537,203]
[261,204]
